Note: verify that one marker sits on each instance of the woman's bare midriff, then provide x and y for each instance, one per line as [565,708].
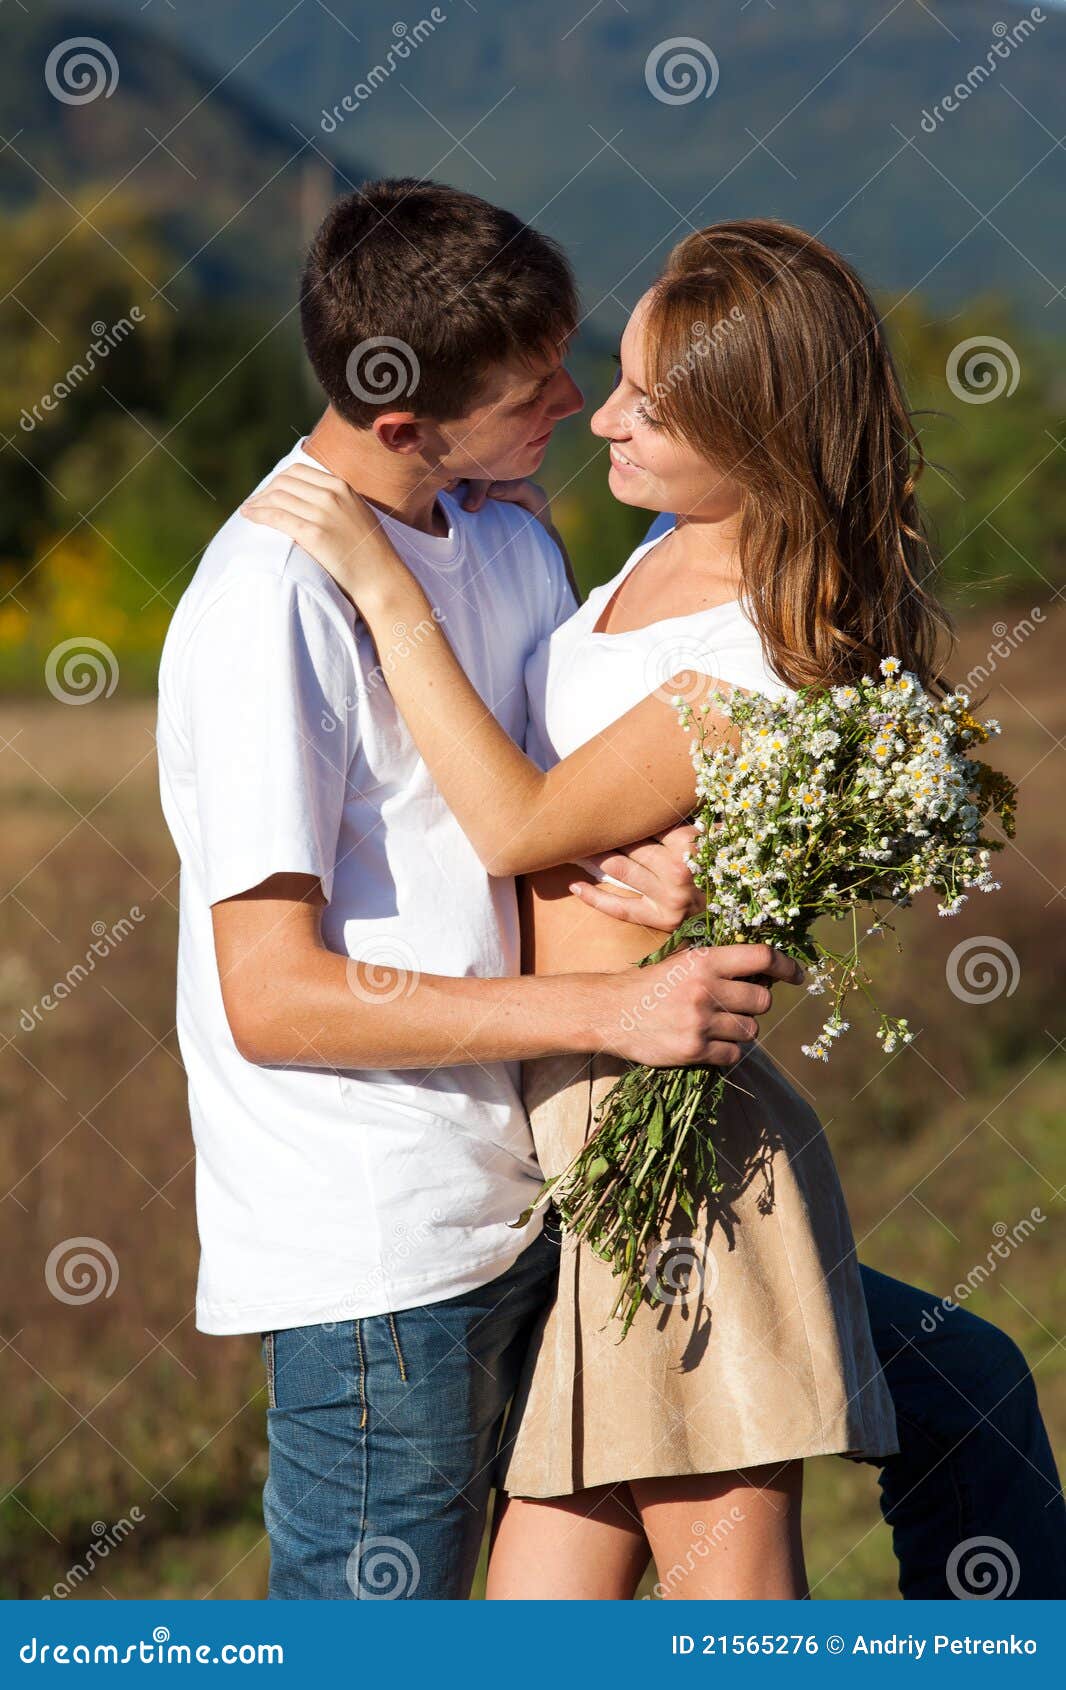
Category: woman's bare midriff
[561,935]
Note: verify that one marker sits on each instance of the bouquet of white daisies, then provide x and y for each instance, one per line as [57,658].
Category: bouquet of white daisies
[835,801]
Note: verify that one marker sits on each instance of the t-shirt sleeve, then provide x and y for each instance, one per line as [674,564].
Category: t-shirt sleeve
[270,700]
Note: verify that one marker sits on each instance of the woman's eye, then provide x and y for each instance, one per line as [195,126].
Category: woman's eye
[646,417]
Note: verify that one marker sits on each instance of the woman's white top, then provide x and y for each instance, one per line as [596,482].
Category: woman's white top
[578,681]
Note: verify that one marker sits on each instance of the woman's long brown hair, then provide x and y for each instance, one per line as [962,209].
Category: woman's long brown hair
[766,353]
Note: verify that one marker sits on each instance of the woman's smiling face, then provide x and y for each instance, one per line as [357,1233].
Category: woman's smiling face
[649,466]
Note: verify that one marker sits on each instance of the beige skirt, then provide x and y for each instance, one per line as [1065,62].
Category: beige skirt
[761,1351]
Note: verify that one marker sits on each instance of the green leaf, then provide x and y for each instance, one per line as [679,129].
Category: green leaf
[655,1125]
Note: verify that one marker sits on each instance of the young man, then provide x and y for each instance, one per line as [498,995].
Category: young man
[350,1009]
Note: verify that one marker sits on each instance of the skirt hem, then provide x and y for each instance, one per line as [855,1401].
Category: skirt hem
[874,1450]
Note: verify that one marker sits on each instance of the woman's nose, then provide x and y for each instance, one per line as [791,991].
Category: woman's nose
[609,420]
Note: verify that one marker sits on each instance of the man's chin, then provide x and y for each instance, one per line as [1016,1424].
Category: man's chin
[519,468]
[534,456]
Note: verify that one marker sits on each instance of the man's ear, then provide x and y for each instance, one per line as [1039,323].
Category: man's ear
[399,431]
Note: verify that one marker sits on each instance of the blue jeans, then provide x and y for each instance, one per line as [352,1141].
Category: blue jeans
[974,1460]
[383,1432]
[383,1435]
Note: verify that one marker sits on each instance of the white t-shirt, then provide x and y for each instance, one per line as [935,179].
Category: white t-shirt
[578,682]
[322,1194]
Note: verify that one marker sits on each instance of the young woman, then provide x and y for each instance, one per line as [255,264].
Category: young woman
[756,399]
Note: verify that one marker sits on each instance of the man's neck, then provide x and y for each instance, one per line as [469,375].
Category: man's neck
[400,485]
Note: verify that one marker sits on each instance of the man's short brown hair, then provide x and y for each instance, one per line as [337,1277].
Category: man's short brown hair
[412,290]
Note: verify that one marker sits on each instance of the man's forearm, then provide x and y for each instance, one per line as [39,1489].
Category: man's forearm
[292,1002]
[335,1013]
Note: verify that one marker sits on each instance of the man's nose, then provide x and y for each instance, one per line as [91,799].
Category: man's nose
[569,397]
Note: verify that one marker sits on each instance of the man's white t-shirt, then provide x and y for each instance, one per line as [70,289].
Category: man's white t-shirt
[322,1194]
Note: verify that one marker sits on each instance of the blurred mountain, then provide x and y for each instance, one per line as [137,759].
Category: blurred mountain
[830,115]
[227,184]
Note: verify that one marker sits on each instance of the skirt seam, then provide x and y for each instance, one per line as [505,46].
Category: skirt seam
[796,1293]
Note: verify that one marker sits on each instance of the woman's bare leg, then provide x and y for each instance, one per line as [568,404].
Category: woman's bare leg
[726,1535]
[589,1546]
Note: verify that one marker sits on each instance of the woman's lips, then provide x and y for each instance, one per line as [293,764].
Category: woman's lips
[621,462]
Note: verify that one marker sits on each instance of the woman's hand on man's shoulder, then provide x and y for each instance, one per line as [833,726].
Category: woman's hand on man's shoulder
[527,494]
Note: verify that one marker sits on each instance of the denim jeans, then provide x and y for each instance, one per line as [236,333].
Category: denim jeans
[383,1434]
[973,1497]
